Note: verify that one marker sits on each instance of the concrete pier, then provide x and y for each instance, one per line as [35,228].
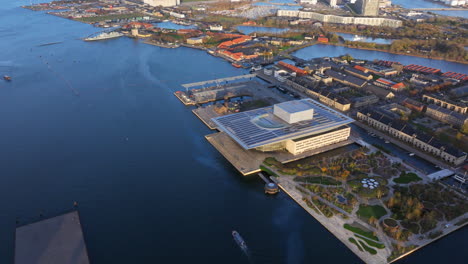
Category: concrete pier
[219,81]
[249,161]
[58,240]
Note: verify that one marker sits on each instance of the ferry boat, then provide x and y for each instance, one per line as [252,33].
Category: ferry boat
[239,240]
[7,78]
[105,35]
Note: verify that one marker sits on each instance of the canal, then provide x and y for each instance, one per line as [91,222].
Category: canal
[321,50]
[429,4]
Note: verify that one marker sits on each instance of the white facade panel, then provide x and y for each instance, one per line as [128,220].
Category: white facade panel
[296,147]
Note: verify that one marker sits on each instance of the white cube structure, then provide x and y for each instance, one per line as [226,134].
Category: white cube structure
[293,111]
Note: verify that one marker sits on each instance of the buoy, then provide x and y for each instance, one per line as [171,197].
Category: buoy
[75,204]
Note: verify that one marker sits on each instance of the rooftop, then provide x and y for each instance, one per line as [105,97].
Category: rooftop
[260,127]
[294,106]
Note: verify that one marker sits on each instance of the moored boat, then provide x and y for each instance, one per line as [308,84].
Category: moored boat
[7,78]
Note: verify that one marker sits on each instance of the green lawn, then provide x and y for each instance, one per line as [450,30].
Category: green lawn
[367,211]
[352,240]
[368,249]
[361,232]
[267,170]
[372,243]
[318,180]
[407,178]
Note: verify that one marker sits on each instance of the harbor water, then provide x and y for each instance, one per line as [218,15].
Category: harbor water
[429,4]
[97,123]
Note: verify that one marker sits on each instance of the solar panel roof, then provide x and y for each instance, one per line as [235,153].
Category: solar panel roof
[260,127]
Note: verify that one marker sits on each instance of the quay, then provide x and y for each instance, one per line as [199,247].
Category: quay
[218,81]
[249,161]
[441,9]
[54,240]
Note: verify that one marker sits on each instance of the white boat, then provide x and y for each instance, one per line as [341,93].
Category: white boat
[411,154]
[358,38]
[104,35]
[239,240]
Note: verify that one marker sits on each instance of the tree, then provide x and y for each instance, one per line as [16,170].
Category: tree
[464,129]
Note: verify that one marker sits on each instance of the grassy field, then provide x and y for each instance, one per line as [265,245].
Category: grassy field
[366,248]
[361,232]
[265,169]
[318,180]
[367,211]
[407,178]
[371,243]
[352,240]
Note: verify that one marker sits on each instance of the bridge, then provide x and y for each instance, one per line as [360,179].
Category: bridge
[441,9]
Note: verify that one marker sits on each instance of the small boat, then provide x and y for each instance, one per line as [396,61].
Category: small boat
[7,78]
[411,154]
[236,65]
[239,240]
[386,141]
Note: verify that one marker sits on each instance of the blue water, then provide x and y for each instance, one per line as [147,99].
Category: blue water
[321,50]
[250,29]
[352,37]
[97,123]
[171,25]
[429,4]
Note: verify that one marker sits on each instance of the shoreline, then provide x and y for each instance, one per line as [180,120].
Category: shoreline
[396,53]
[294,194]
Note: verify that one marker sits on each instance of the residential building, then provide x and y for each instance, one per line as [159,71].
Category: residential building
[379,92]
[405,133]
[367,7]
[346,79]
[368,21]
[216,27]
[360,74]
[413,105]
[363,101]
[458,107]
[194,41]
[446,116]
[165,3]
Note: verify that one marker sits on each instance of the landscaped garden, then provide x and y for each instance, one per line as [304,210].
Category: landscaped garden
[368,211]
[374,197]
[407,178]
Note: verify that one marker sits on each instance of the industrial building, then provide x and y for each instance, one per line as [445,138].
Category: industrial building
[165,3]
[295,126]
[367,7]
